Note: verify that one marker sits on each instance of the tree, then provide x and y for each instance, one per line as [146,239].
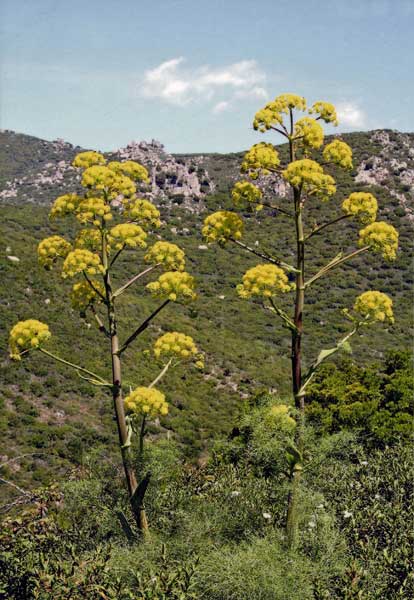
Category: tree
[110,193]
[308,181]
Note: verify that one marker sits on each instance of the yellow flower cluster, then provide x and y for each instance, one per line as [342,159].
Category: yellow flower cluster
[127,234]
[362,205]
[124,186]
[142,212]
[92,210]
[339,153]
[264,280]
[65,205]
[374,306]
[221,226]
[84,160]
[272,114]
[98,177]
[278,417]
[82,295]
[169,255]
[173,285]
[326,112]
[309,132]
[245,192]
[146,401]
[175,344]
[91,239]
[52,248]
[260,159]
[381,237]
[80,260]
[130,168]
[26,335]
[310,177]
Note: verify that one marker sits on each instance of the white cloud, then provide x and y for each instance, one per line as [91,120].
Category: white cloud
[172,82]
[221,107]
[350,115]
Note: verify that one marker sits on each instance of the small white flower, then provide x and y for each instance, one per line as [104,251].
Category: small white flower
[234,494]
[267,515]
[347,514]
[364,463]
[47,301]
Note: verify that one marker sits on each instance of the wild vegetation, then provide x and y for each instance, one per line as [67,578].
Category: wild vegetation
[225,459]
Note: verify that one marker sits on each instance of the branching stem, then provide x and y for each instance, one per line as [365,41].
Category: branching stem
[141,328]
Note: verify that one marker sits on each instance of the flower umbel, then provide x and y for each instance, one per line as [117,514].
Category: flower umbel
[309,176]
[142,212]
[65,205]
[146,401]
[26,335]
[84,160]
[278,417]
[52,248]
[362,205]
[221,226]
[339,153]
[93,210]
[264,280]
[127,234]
[174,286]
[374,306]
[326,112]
[175,345]
[83,295]
[381,237]
[245,193]
[272,114]
[309,132]
[80,260]
[169,255]
[261,159]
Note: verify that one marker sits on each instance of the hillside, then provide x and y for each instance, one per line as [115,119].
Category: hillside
[45,409]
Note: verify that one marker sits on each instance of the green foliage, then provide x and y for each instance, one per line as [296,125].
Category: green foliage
[377,401]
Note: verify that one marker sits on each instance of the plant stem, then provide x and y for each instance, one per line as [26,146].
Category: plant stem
[161,374]
[129,470]
[70,364]
[122,289]
[141,328]
[334,263]
[267,257]
[318,229]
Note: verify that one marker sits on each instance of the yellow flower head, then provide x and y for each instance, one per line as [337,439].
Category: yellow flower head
[169,255]
[310,177]
[127,234]
[93,210]
[65,205]
[130,168]
[264,280]
[175,345]
[361,205]
[309,132]
[326,112]
[91,239]
[123,186]
[52,248]
[99,178]
[381,237]
[142,212]
[221,226]
[272,114]
[374,306]
[339,153]
[244,193]
[173,285]
[26,335]
[146,401]
[80,260]
[83,295]
[261,159]
[84,160]
[278,418]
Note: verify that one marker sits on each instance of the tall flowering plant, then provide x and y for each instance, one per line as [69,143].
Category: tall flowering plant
[308,182]
[112,219]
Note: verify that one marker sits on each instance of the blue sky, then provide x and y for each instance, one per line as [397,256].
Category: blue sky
[192,73]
